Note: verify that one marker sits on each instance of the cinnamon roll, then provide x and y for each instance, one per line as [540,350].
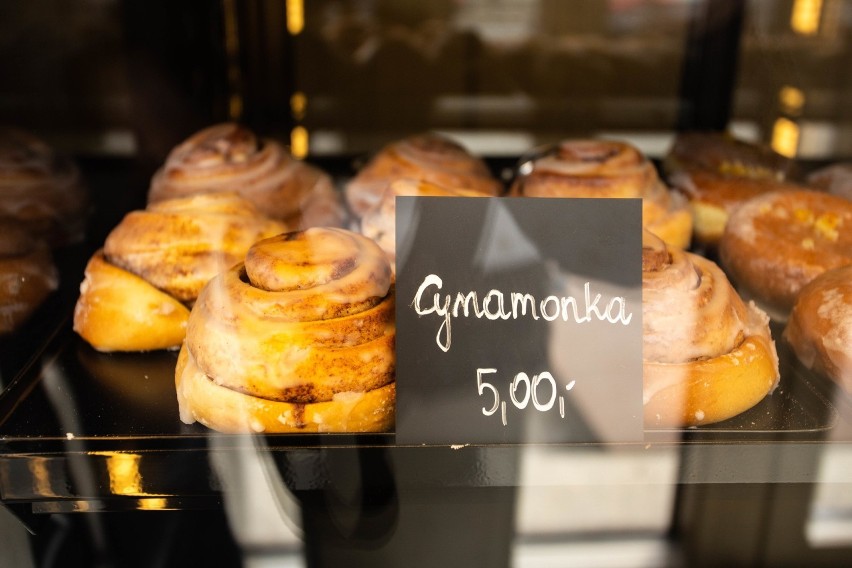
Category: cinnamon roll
[41,189]
[428,157]
[717,173]
[229,157]
[599,168]
[776,243]
[379,223]
[820,326]
[154,264]
[299,338]
[27,274]
[706,355]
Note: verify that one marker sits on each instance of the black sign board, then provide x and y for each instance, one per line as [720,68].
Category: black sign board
[518,320]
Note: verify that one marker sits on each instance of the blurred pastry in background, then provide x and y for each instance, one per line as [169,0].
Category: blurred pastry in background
[717,173]
[41,189]
[776,243]
[820,326]
[608,169]
[427,157]
[137,290]
[27,274]
[835,179]
[229,157]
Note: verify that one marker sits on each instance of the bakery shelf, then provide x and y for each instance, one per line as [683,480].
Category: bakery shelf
[68,414]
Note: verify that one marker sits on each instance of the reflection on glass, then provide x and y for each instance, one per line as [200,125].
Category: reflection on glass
[299,142]
[41,477]
[805,16]
[295,16]
[155,504]
[124,478]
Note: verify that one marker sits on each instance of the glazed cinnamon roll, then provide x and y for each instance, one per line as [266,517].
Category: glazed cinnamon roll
[598,168]
[27,274]
[41,189]
[154,264]
[717,173]
[379,223]
[229,157]
[706,355]
[299,338]
[428,157]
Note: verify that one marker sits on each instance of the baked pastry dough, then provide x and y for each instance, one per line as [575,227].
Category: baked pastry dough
[27,274]
[599,168]
[41,189]
[706,356]
[820,326]
[299,338]
[379,223]
[154,263]
[119,311]
[229,157]
[427,157]
[776,243]
[717,173]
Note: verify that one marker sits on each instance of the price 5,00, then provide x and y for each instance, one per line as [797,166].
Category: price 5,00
[523,390]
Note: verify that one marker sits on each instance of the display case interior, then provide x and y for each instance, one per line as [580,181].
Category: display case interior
[146,99]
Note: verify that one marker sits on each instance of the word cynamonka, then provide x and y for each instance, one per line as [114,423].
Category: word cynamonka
[497,305]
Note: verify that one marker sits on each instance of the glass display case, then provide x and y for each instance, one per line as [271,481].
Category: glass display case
[102,462]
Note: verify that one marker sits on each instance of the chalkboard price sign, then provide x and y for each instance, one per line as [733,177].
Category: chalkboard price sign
[518,320]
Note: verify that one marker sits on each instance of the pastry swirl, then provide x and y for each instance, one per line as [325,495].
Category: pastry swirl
[154,264]
[608,169]
[27,274]
[41,189]
[427,157]
[707,356]
[229,157]
[308,319]
[379,223]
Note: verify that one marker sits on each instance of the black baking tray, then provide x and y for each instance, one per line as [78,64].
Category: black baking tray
[113,402]
[118,401]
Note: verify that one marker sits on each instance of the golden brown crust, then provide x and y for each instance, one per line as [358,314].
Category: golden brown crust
[426,157]
[118,311]
[599,168]
[228,157]
[308,319]
[820,326]
[717,173]
[154,264]
[179,244]
[706,355]
[776,243]
[228,410]
[27,274]
[40,189]
[708,391]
